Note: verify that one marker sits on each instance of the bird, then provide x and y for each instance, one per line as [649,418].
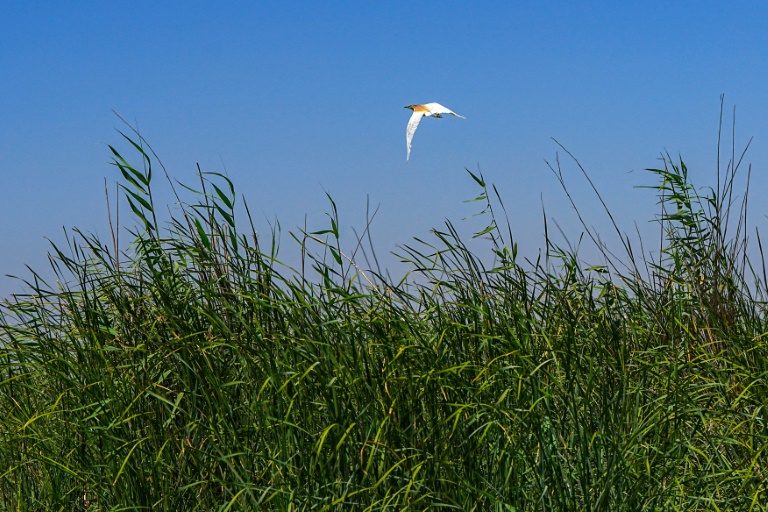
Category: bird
[419,111]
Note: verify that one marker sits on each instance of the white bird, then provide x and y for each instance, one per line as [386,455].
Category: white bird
[419,111]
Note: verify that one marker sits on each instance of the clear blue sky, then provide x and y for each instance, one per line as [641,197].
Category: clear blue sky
[297,98]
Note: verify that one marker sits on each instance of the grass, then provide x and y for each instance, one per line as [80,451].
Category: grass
[191,370]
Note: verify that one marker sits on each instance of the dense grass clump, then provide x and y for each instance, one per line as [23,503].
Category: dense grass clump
[191,370]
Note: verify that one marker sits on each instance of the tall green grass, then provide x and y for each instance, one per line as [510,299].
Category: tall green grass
[191,370]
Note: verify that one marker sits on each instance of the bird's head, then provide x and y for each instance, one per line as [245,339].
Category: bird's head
[410,106]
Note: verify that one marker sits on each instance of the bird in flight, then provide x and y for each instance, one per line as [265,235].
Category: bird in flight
[419,111]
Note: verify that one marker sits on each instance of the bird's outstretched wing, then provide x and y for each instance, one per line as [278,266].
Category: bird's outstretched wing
[413,123]
[436,108]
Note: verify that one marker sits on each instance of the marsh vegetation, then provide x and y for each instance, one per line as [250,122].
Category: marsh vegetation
[191,370]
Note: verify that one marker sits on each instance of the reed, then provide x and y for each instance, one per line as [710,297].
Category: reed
[192,370]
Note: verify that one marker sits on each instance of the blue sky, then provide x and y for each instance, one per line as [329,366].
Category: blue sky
[294,99]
